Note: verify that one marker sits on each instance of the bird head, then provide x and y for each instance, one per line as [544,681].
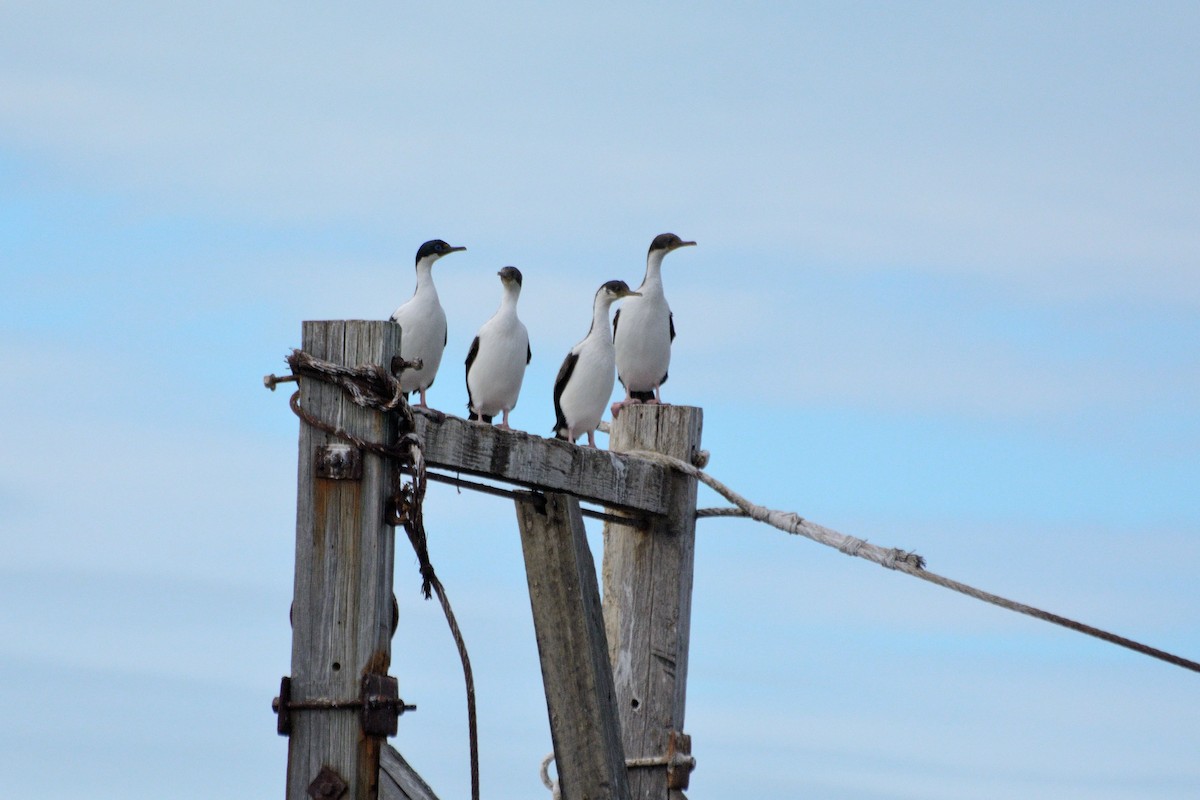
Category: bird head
[510,275]
[615,290]
[435,249]
[667,242]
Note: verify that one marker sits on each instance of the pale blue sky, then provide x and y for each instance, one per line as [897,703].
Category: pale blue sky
[946,297]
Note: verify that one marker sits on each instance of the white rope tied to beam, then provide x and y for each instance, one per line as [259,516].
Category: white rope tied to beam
[547,781]
[892,558]
[788,521]
[675,759]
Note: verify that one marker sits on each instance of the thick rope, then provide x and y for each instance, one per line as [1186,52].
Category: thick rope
[892,558]
[369,385]
[372,386]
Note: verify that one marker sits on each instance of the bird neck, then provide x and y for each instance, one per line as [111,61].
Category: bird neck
[600,320]
[508,302]
[653,280]
[425,276]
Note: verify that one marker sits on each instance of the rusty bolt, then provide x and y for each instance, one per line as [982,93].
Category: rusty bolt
[328,785]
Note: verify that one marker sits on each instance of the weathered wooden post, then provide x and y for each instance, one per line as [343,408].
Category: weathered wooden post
[342,608]
[569,624]
[648,605]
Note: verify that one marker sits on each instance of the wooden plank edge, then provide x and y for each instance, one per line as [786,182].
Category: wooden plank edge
[398,780]
[608,472]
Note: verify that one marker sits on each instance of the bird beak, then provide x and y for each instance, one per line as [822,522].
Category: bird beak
[685,244]
[632,294]
[455,249]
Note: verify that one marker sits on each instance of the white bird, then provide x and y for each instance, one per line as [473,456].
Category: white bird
[423,323]
[643,330]
[498,357]
[585,380]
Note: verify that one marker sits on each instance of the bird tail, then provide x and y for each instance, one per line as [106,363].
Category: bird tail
[476,417]
[645,397]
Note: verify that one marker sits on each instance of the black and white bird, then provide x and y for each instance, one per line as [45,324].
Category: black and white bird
[585,380]
[423,323]
[644,328]
[498,357]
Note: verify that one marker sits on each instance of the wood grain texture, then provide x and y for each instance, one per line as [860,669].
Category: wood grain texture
[398,780]
[342,604]
[552,465]
[576,673]
[648,596]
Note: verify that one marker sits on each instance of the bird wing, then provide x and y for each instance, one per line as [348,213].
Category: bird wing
[671,322]
[528,353]
[616,319]
[560,383]
[474,351]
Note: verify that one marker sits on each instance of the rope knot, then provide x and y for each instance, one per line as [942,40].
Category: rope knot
[895,558]
[790,520]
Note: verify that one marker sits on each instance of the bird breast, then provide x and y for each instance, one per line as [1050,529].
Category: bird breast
[590,387]
[423,335]
[643,342]
[499,367]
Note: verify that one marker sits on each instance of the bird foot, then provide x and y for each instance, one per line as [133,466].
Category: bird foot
[616,407]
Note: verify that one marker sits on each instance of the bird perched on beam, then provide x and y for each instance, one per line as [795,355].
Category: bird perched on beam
[423,323]
[498,357]
[585,380]
[643,330]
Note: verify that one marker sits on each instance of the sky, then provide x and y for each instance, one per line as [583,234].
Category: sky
[946,297]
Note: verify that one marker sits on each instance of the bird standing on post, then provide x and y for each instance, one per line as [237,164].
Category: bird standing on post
[643,331]
[423,323]
[585,380]
[498,357]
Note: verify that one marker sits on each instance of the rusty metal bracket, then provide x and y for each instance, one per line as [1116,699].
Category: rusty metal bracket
[282,706]
[678,760]
[379,706]
[339,462]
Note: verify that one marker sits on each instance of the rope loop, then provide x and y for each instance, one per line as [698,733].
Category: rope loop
[547,781]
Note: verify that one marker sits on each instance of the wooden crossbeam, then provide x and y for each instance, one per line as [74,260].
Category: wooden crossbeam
[616,481]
